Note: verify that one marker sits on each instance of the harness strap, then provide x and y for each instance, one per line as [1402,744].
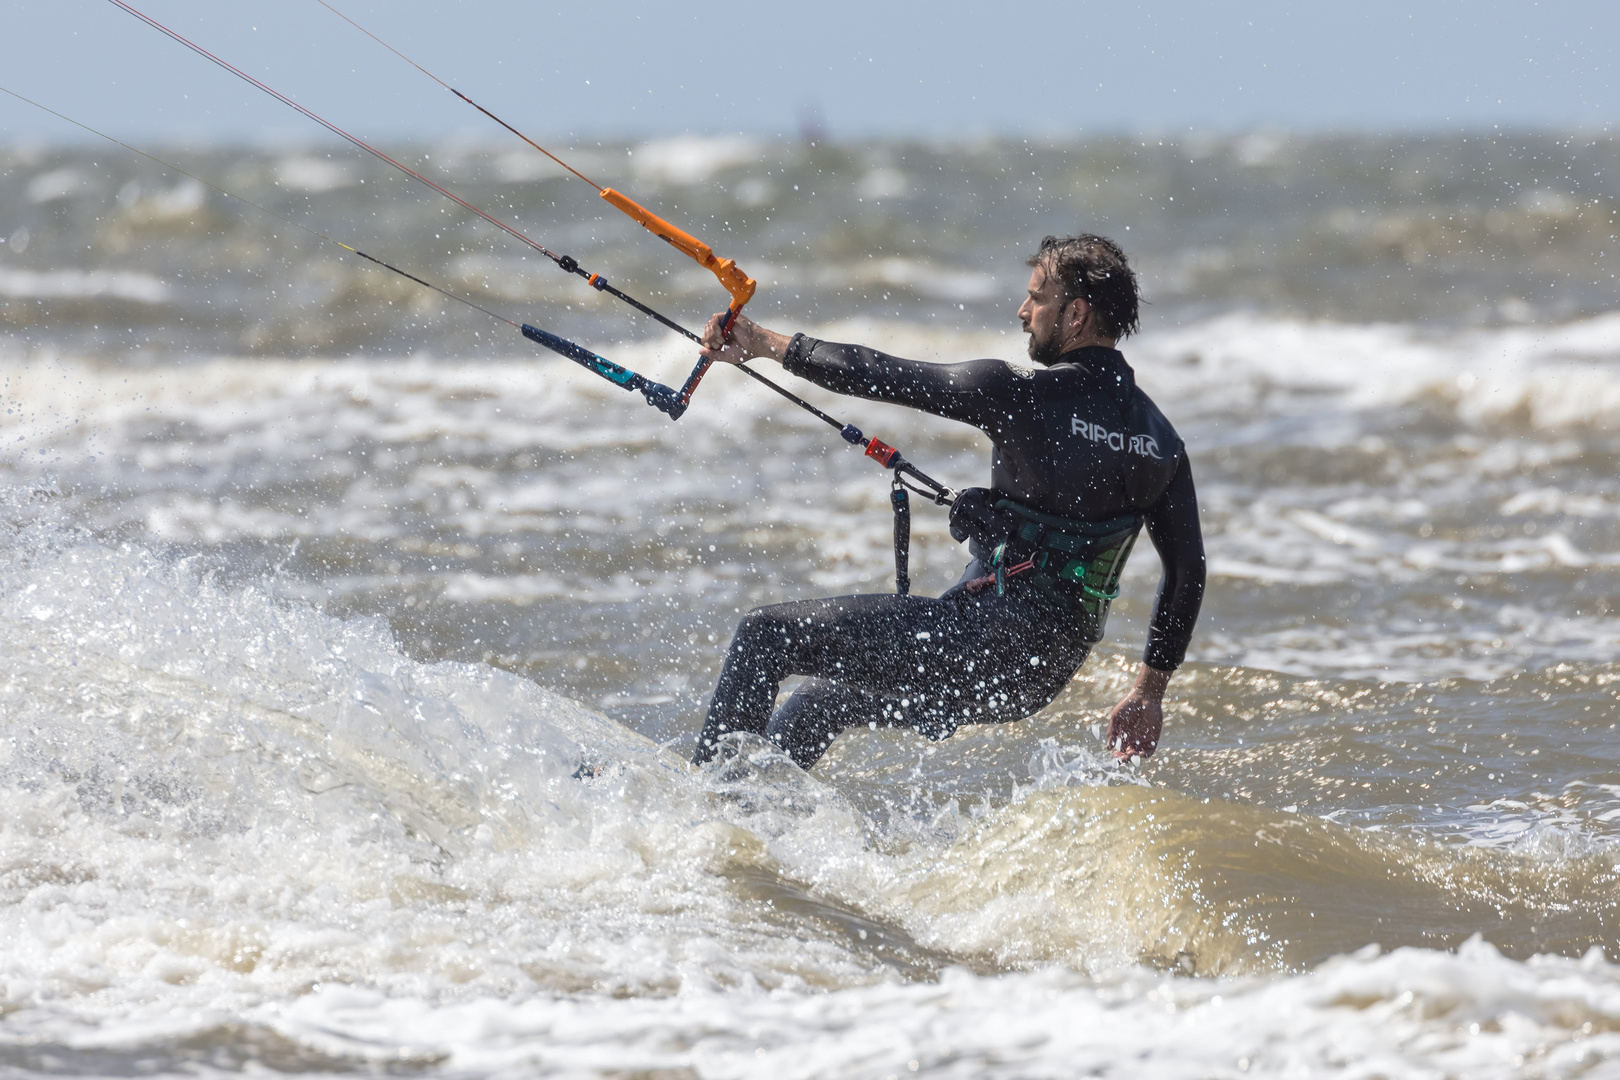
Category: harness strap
[1064,534]
[901,501]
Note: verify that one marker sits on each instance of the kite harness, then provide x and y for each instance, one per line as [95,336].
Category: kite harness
[1058,553]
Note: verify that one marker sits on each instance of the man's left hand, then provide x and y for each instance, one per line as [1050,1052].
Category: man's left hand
[1135,723]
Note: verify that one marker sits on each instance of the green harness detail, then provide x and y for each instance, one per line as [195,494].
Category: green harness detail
[1067,559]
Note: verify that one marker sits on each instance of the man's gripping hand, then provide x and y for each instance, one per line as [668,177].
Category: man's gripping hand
[742,340]
[1135,723]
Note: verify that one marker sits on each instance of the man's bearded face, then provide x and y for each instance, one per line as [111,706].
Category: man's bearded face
[1042,316]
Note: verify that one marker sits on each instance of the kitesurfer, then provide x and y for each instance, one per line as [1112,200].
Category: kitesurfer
[1082,460]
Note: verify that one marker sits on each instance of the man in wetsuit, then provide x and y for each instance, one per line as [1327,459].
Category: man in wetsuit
[1082,460]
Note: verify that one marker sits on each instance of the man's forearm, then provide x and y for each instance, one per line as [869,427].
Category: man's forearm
[1172,525]
[758,341]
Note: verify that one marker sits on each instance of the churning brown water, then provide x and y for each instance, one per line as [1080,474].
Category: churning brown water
[320,591]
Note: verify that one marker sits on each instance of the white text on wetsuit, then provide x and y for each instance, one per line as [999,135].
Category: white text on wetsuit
[1146,445]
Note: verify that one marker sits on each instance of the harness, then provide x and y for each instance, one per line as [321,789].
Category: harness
[1077,562]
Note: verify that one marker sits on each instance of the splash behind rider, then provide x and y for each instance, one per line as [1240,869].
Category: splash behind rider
[1082,460]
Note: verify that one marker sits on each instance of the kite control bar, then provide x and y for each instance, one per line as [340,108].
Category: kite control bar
[661,397]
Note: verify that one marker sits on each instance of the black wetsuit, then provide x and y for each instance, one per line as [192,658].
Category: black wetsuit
[1077,440]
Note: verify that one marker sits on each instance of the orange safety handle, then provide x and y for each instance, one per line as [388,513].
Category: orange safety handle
[738,284]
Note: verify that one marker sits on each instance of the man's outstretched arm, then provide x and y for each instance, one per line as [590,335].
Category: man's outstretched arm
[1172,524]
[983,393]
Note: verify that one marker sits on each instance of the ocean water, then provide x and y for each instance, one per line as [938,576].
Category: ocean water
[351,650]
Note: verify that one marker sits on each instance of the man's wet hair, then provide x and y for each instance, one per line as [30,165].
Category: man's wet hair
[1094,268]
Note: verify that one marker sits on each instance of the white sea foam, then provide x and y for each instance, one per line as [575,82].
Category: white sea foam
[884,182]
[313,775]
[960,285]
[56,184]
[83,285]
[1296,389]
[1185,370]
[525,166]
[314,174]
[176,203]
[1558,376]
[1410,1012]
[691,159]
[224,812]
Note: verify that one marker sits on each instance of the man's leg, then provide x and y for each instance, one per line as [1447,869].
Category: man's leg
[838,635]
[926,663]
[819,709]
[807,722]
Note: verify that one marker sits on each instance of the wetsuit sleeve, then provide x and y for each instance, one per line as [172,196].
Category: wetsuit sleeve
[979,392]
[1172,523]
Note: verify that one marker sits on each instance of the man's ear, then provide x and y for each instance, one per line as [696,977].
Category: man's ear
[1076,314]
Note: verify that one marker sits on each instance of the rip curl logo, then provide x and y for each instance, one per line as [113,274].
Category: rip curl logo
[1145,445]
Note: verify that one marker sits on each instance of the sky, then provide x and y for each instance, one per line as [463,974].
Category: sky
[855,68]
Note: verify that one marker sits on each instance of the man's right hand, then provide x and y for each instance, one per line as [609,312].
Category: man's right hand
[743,340]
